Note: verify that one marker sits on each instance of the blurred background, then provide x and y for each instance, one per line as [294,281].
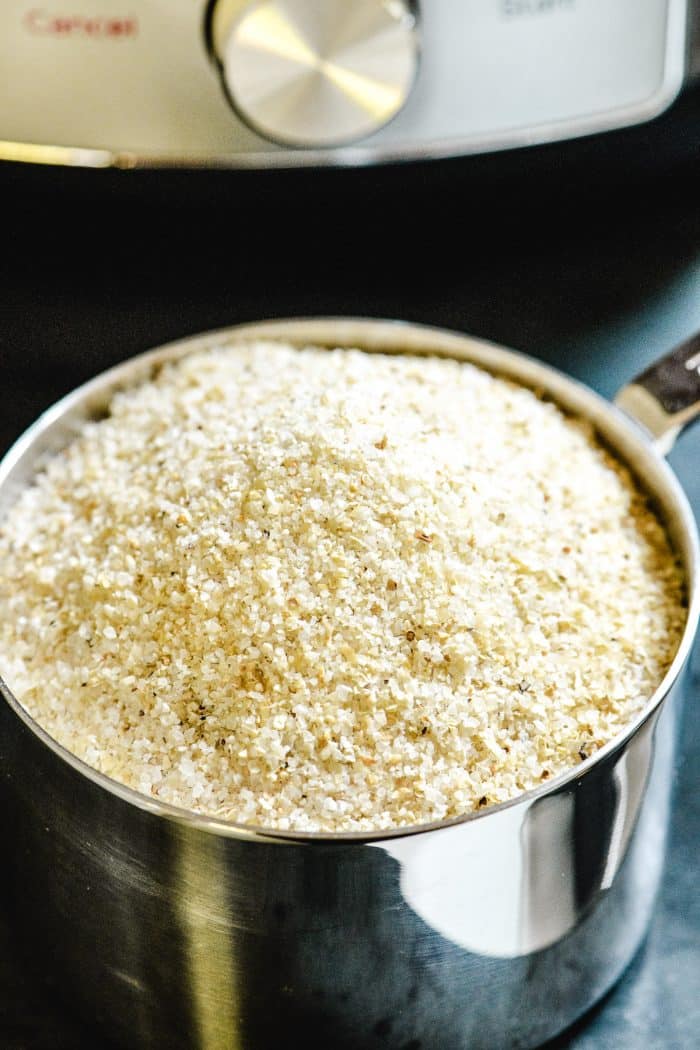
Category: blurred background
[584,253]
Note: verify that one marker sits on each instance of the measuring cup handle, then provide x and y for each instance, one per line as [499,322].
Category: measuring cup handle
[665,398]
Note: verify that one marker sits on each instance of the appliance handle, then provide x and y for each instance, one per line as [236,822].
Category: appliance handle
[665,398]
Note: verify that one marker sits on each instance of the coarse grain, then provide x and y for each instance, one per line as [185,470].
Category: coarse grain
[334,591]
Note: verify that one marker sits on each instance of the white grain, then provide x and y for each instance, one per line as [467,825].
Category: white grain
[334,591]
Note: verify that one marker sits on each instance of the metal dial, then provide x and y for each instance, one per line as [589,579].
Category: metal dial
[316,72]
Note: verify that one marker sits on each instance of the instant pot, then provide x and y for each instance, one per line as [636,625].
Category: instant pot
[288,83]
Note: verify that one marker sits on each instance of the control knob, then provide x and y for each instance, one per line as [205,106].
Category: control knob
[315,73]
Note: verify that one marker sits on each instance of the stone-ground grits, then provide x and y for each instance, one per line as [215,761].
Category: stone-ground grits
[333,590]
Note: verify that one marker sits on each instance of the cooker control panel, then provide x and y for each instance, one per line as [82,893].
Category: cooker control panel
[260,83]
[310,73]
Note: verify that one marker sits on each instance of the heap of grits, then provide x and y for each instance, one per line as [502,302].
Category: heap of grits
[334,591]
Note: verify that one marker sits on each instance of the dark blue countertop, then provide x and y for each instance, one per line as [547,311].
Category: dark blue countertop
[599,289]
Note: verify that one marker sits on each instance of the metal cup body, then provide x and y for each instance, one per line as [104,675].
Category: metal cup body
[170,930]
